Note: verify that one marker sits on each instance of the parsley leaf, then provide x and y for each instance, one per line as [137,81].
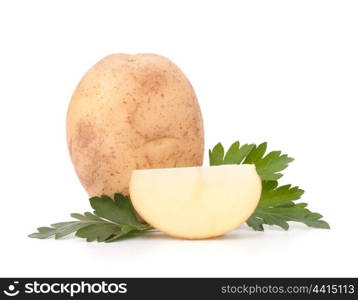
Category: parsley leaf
[216,156]
[111,220]
[276,205]
[119,211]
[274,195]
[267,166]
[58,230]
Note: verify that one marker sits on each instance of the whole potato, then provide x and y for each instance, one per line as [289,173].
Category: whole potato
[132,112]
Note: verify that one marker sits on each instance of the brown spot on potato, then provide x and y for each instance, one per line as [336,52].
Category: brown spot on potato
[85,134]
[89,178]
[96,164]
[151,82]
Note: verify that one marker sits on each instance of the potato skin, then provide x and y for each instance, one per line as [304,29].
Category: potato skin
[132,112]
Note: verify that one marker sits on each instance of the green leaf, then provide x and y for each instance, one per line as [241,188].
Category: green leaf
[98,232]
[277,207]
[236,154]
[216,156]
[58,230]
[126,232]
[255,222]
[273,196]
[119,210]
[269,166]
[87,216]
[112,220]
[256,154]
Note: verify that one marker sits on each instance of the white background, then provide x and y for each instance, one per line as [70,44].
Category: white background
[285,72]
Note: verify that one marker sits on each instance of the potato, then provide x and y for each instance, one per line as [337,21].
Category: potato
[132,112]
[196,202]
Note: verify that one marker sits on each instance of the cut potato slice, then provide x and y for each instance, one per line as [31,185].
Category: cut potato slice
[196,202]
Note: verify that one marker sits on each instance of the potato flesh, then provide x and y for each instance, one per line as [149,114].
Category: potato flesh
[196,202]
